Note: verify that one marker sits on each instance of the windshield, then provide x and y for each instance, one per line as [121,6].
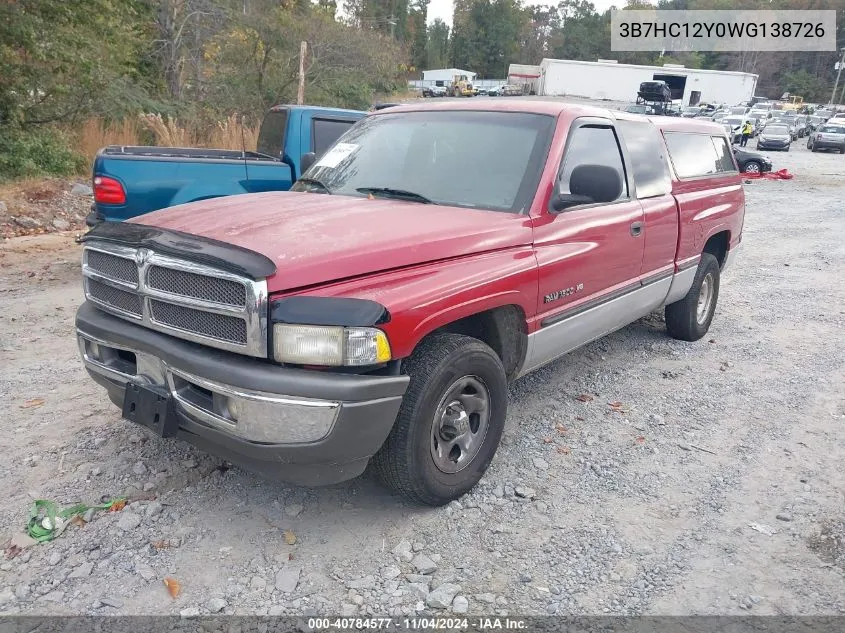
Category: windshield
[777,129]
[732,120]
[489,160]
[737,110]
[833,129]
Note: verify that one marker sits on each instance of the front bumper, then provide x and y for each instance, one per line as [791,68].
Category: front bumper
[305,427]
[827,144]
[772,144]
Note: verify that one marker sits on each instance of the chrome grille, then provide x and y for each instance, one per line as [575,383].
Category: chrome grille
[179,282]
[217,326]
[112,266]
[187,300]
[114,298]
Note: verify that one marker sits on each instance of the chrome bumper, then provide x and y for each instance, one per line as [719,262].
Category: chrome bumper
[254,416]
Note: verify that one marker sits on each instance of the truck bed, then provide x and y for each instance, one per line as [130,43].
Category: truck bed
[190,153]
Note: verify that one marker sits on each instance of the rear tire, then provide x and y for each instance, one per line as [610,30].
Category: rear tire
[842,150]
[454,410]
[689,318]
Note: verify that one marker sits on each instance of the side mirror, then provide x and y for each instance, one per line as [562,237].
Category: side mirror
[306,161]
[590,184]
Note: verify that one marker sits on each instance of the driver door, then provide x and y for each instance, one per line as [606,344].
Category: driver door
[589,255]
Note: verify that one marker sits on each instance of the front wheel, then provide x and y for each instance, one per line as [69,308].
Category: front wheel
[689,318]
[450,422]
[753,167]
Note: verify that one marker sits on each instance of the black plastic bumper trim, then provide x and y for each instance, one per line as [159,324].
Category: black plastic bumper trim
[197,248]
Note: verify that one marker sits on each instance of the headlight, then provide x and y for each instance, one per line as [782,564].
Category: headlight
[329,345]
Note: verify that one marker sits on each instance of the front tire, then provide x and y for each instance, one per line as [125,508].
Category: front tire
[689,318]
[753,167]
[450,422]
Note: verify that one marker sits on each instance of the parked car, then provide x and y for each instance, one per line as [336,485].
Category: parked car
[303,335]
[831,135]
[751,162]
[775,136]
[639,108]
[655,91]
[690,112]
[815,121]
[129,181]
[788,122]
[803,125]
[733,127]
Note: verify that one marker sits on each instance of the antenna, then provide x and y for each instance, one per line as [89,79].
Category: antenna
[243,148]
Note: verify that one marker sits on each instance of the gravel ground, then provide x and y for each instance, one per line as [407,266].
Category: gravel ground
[713,487]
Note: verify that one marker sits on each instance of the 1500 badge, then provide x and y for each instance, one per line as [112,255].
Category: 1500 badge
[560,294]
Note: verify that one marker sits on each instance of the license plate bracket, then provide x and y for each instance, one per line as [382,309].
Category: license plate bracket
[151,407]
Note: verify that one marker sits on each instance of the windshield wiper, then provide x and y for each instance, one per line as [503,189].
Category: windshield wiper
[389,192]
[314,181]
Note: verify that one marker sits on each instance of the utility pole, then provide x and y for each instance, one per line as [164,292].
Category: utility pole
[300,95]
[838,73]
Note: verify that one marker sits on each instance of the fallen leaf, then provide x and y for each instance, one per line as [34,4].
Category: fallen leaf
[161,544]
[78,521]
[640,439]
[12,551]
[173,586]
[35,402]
[290,537]
[548,440]
[290,556]
[563,450]
[584,397]
[579,419]
[560,428]
[117,506]
[618,407]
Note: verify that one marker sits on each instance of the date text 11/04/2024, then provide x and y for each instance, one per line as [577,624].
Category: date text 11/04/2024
[417,624]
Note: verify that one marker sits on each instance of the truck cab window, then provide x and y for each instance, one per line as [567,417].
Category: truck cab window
[592,145]
[326,132]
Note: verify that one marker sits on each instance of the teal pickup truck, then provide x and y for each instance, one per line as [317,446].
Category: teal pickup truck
[130,181]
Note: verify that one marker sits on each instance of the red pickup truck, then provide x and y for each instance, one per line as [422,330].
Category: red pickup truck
[379,309]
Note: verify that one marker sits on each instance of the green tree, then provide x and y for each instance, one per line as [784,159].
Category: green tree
[64,60]
[437,46]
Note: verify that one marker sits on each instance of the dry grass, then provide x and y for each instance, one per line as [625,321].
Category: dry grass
[168,133]
[95,133]
[231,133]
[234,133]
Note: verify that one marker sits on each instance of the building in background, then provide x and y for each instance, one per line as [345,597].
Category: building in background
[607,79]
[525,76]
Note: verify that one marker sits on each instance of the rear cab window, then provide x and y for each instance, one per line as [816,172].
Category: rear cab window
[271,136]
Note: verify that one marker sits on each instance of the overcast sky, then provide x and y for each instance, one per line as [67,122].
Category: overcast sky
[443,8]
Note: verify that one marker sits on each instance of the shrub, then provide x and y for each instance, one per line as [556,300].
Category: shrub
[37,152]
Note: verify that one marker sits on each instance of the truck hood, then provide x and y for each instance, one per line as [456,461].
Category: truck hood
[317,238]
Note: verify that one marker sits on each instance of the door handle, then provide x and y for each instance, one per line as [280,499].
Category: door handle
[636,228]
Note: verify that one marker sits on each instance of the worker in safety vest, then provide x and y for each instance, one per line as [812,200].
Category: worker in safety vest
[747,130]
